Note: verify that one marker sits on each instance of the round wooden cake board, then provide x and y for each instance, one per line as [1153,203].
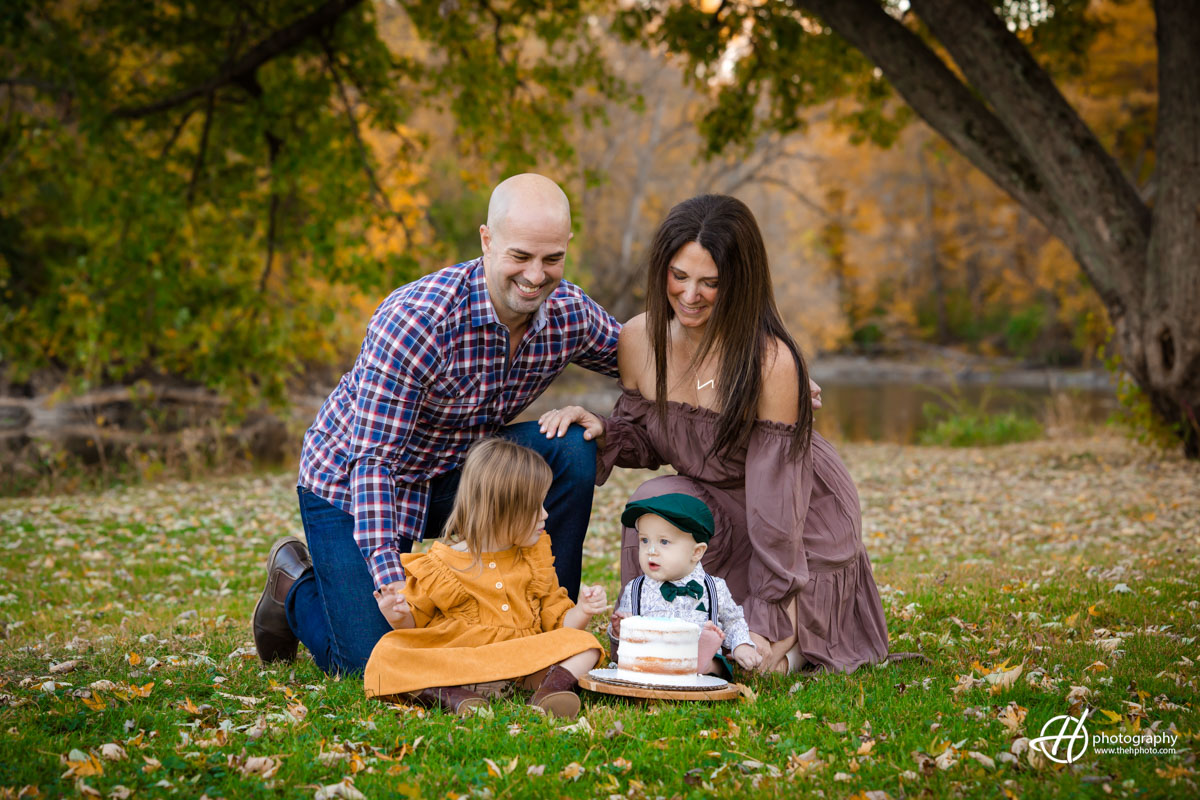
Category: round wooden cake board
[726,692]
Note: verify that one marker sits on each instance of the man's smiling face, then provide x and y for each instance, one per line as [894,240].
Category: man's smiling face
[523,259]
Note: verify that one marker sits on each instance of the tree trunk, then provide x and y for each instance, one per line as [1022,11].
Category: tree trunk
[932,254]
[1013,124]
[1170,332]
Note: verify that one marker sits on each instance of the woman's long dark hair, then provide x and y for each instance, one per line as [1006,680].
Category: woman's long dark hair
[744,322]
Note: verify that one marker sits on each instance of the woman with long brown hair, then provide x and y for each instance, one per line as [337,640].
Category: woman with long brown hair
[711,384]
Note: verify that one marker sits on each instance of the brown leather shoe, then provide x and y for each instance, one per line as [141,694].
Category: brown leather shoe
[272,635]
[556,693]
[455,699]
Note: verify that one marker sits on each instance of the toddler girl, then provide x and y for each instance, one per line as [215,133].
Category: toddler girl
[487,607]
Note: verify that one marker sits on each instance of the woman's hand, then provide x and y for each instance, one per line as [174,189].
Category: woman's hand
[554,423]
[773,654]
[747,656]
[394,606]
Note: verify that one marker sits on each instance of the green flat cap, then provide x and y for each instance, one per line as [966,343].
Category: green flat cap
[681,510]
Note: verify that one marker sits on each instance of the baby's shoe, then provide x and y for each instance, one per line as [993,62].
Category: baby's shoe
[556,694]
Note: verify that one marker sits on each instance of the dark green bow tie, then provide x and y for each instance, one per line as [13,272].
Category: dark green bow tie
[690,589]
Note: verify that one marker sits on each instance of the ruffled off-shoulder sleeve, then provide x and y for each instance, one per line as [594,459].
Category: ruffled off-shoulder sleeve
[432,590]
[627,442]
[544,589]
[778,490]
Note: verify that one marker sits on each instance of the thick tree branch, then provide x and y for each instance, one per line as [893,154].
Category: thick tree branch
[1108,224]
[36,83]
[942,100]
[237,71]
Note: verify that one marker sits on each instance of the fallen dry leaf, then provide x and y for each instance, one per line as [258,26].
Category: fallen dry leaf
[82,765]
[1002,679]
[254,766]
[112,751]
[344,789]
[580,726]
[1012,717]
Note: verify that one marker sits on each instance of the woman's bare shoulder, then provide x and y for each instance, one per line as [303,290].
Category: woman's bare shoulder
[634,329]
[633,352]
[780,400]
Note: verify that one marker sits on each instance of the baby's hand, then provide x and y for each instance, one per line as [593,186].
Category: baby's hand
[615,623]
[592,600]
[747,656]
[394,606]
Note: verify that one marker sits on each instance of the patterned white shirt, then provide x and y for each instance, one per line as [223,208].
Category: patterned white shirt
[730,618]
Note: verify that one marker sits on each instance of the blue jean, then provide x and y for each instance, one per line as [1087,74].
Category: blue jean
[331,607]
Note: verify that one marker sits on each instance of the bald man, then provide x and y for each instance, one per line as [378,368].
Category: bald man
[448,359]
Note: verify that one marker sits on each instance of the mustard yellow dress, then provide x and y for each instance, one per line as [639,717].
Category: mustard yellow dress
[499,618]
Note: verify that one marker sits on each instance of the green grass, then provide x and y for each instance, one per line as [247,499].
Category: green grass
[1009,554]
[982,430]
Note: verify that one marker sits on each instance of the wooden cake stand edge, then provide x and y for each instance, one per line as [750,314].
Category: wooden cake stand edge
[727,692]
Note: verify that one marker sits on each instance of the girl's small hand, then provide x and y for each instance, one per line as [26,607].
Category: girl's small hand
[555,423]
[394,606]
[747,656]
[592,600]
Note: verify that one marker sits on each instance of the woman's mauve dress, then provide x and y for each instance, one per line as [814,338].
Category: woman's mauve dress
[784,528]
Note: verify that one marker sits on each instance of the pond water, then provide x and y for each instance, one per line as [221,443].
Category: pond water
[894,411]
[883,404]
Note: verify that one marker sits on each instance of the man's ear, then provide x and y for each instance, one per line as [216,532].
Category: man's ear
[485,239]
[698,552]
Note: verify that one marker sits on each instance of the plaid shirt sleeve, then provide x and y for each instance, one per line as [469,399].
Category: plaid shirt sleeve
[599,352]
[398,360]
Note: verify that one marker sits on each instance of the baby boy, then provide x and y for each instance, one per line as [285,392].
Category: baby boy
[673,534]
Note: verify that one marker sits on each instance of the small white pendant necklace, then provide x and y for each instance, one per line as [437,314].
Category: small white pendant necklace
[709,382]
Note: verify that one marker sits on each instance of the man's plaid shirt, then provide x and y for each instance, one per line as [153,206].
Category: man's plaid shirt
[432,377]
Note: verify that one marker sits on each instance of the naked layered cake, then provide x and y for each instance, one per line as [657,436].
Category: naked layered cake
[658,649]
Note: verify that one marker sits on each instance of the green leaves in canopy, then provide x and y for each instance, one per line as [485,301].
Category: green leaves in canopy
[222,191]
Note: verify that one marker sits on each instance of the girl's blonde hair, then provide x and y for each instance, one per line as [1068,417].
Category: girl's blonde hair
[501,489]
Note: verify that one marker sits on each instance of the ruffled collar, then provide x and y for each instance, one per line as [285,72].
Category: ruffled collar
[707,413]
[508,554]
